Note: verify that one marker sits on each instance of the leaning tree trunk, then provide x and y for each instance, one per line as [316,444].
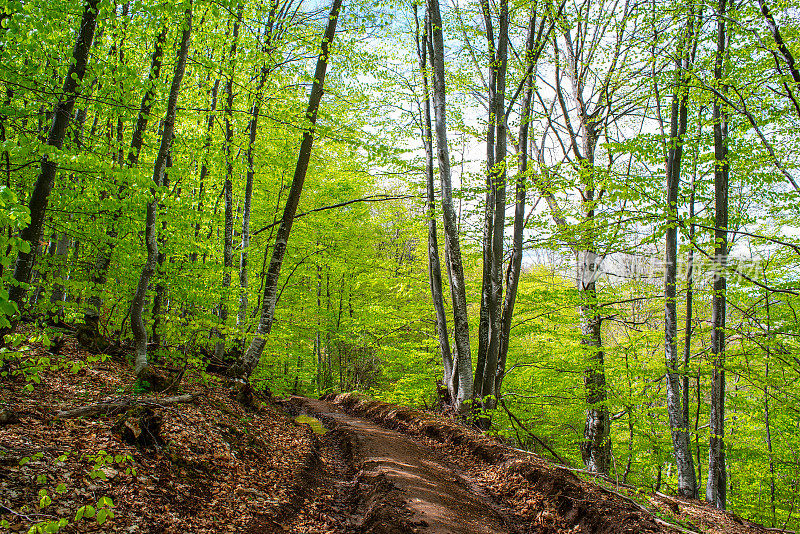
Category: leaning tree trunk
[91,317]
[717,473]
[247,363]
[679,424]
[461,385]
[434,263]
[159,168]
[227,249]
[58,128]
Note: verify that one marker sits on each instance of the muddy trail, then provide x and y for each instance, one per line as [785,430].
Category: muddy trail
[383,469]
[376,480]
[224,458]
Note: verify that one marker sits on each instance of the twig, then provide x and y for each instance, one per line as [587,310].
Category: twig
[24,516]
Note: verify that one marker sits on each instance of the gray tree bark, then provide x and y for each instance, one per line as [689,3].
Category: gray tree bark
[486,375]
[533,47]
[37,204]
[159,168]
[247,363]
[679,424]
[462,381]
[717,473]
[434,263]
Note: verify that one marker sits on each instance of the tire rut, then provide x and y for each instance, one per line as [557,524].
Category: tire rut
[378,481]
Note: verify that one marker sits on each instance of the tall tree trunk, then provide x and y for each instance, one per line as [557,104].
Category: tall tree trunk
[252,128]
[486,382]
[227,191]
[91,317]
[249,360]
[679,425]
[766,407]
[515,264]
[317,336]
[717,473]
[204,164]
[434,263]
[596,444]
[484,319]
[159,168]
[62,112]
[161,288]
[461,384]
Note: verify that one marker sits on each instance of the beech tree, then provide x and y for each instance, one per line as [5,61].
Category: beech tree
[677,404]
[55,138]
[461,382]
[159,169]
[717,473]
[249,360]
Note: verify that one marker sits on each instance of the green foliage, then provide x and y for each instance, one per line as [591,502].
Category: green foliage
[354,309]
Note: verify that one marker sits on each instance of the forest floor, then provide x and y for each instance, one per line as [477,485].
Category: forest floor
[203,461]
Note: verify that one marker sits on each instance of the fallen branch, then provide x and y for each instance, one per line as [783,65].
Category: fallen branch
[531,434]
[122,404]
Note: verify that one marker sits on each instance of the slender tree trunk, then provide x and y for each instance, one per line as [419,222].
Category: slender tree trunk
[249,360]
[687,341]
[159,168]
[91,317]
[159,300]
[252,128]
[486,382]
[55,137]
[766,409]
[679,425]
[434,263]
[515,264]
[317,337]
[204,165]
[462,382]
[717,473]
[485,320]
[227,249]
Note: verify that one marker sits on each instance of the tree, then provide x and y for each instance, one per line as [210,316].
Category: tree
[55,138]
[249,360]
[159,168]
[461,382]
[434,263]
[717,473]
[677,405]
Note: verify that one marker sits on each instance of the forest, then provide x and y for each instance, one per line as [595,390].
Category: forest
[572,224]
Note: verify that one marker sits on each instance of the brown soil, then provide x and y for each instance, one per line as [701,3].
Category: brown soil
[215,465]
[533,495]
[401,486]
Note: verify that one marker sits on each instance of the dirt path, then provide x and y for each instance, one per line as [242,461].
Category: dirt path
[381,481]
